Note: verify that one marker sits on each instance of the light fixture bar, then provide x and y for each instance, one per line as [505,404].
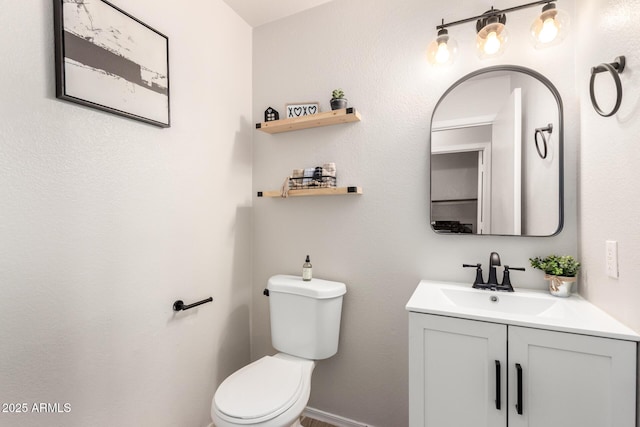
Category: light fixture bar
[493,12]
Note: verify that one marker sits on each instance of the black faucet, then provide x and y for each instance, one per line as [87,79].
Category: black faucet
[492,282]
[494,260]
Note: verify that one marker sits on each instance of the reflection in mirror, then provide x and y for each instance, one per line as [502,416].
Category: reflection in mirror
[496,155]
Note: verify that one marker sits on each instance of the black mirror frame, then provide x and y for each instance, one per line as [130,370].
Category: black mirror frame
[556,95]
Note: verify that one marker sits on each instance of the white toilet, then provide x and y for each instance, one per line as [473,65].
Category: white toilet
[305,326]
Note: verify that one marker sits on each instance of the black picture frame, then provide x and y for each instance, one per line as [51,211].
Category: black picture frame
[107,59]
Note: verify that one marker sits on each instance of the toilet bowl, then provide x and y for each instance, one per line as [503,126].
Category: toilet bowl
[305,327]
[270,392]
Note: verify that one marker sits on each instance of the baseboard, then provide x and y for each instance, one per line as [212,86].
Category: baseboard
[336,420]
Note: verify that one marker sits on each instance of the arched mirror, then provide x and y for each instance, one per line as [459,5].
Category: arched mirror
[497,155]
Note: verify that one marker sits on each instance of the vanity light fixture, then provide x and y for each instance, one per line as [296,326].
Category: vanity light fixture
[549,28]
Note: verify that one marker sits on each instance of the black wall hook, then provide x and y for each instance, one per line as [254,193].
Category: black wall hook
[180,305]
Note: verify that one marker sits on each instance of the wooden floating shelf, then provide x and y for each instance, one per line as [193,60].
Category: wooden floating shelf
[333,191]
[328,118]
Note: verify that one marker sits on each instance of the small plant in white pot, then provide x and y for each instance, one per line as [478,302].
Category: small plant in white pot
[561,271]
[338,100]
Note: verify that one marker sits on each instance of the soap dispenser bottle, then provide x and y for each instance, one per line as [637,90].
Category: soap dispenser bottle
[306,270]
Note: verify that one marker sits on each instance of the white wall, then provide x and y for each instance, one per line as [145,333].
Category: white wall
[105,222]
[380,243]
[609,158]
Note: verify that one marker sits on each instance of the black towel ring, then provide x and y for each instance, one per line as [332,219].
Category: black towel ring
[614,68]
[541,131]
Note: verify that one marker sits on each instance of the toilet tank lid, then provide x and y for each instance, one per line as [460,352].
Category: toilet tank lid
[314,288]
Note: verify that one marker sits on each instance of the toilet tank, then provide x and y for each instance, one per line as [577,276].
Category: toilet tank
[305,316]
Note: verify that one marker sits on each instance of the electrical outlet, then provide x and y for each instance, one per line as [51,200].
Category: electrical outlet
[612,258]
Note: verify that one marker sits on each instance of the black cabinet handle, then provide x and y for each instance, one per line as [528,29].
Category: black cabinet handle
[519,407]
[498,393]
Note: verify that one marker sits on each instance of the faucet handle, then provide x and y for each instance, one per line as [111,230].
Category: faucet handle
[506,279]
[479,280]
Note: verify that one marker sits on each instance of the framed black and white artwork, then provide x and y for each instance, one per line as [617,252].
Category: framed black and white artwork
[107,59]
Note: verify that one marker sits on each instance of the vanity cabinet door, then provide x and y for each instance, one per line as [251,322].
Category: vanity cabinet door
[457,372]
[570,380]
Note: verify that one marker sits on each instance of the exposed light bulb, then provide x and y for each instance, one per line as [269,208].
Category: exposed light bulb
[492,45]
[443,54]
[549,31]
[491,41]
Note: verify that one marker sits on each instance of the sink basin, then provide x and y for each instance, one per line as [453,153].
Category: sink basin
[498,301]
[524,307]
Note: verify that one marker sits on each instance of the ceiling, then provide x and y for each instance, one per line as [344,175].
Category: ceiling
[259,12]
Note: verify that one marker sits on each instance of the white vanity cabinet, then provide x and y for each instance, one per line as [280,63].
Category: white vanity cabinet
[466,373]
[452,372]
[571,379]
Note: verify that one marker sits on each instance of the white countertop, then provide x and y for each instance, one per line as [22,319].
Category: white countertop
[524,307]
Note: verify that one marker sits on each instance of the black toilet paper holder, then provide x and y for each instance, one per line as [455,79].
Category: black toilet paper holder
[179,305]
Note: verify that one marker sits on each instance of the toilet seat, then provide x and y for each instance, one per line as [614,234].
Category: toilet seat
[260,391]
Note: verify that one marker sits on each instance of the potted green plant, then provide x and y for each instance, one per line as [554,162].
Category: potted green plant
[338,100]
[561,271]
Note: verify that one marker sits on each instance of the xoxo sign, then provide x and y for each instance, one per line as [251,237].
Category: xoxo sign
[299,110]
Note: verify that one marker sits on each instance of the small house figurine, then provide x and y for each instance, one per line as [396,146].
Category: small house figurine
[270,115]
